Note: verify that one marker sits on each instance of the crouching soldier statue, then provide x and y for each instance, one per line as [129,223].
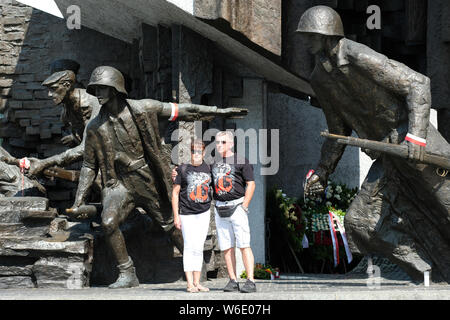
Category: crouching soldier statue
[123,143]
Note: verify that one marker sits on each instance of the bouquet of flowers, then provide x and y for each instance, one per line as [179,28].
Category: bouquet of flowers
[337,199]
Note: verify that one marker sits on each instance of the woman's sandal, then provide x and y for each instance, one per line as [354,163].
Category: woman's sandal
[202,288]
[192,290]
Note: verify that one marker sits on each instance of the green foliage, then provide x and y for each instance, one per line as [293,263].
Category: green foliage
[288,215]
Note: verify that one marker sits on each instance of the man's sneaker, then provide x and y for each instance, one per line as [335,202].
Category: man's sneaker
[231,286]
[249,286]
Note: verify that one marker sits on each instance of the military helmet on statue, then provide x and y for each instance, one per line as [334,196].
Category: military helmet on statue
[106,76]
[322,20]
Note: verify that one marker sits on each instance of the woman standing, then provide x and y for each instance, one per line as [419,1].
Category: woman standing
[191,201]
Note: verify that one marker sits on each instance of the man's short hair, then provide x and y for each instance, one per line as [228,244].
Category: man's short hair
[66,75]
[227,133]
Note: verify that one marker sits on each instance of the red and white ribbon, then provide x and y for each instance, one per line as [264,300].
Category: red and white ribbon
[333,239]
[331,218]
[308,175]
[344,239]
[24,164]
[416,140]
[174,114]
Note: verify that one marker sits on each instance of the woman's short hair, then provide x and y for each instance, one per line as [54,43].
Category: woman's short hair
[197,143]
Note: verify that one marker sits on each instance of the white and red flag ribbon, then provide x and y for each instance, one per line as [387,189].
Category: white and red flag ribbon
[24,164]
[174,114]
[331,219]
[333,238]
[344,239]
[416,140]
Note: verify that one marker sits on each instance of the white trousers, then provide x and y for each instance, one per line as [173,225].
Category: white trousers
[195,229]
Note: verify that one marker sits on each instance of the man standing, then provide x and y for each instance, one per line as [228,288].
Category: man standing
[402,210]
[124,144]
[234,186]
[78,108]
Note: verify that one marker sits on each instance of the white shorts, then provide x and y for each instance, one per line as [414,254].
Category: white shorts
[233,231]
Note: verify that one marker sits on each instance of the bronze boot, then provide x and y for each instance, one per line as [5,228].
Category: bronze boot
[127,276]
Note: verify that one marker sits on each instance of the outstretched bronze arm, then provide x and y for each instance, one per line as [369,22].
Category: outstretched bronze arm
[192,112]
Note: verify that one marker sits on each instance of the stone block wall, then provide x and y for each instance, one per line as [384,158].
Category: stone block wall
[30,40]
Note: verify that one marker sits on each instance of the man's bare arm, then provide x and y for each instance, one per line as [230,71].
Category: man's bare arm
[249,191]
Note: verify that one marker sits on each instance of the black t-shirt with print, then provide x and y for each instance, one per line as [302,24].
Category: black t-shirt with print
[195,193]
[230,177]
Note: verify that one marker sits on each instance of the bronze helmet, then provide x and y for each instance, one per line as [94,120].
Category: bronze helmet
[106,76]
[321,19]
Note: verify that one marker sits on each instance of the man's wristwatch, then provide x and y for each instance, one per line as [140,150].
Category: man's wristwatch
[245,208]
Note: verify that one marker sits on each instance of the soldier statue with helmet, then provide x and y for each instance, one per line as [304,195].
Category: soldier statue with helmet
[402,211]
[124,144]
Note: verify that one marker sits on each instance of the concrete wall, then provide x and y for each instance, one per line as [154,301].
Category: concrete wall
[438,61]
[258,20]
[300,125]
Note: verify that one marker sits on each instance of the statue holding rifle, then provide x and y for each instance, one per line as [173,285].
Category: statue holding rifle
[78,107]
[123,144]
[402,211]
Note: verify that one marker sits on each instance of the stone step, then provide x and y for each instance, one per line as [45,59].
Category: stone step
[16,270]
[41,245]
[19,230]
[16,282]
[23,203]
[15,216]
[54,272]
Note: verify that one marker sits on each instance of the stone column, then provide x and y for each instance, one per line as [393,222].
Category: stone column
[192,75]
[255,99]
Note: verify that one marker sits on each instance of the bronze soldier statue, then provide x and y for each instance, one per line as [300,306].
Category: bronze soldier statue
[403,208]
[78,108]
[123,143]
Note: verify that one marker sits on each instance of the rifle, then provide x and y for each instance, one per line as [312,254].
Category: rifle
[57,172]
[53,172]
[389,148]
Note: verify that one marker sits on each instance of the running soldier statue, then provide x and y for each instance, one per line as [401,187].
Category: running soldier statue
[124,144]
[402,211]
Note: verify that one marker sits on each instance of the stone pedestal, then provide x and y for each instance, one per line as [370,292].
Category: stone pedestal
[36,252]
